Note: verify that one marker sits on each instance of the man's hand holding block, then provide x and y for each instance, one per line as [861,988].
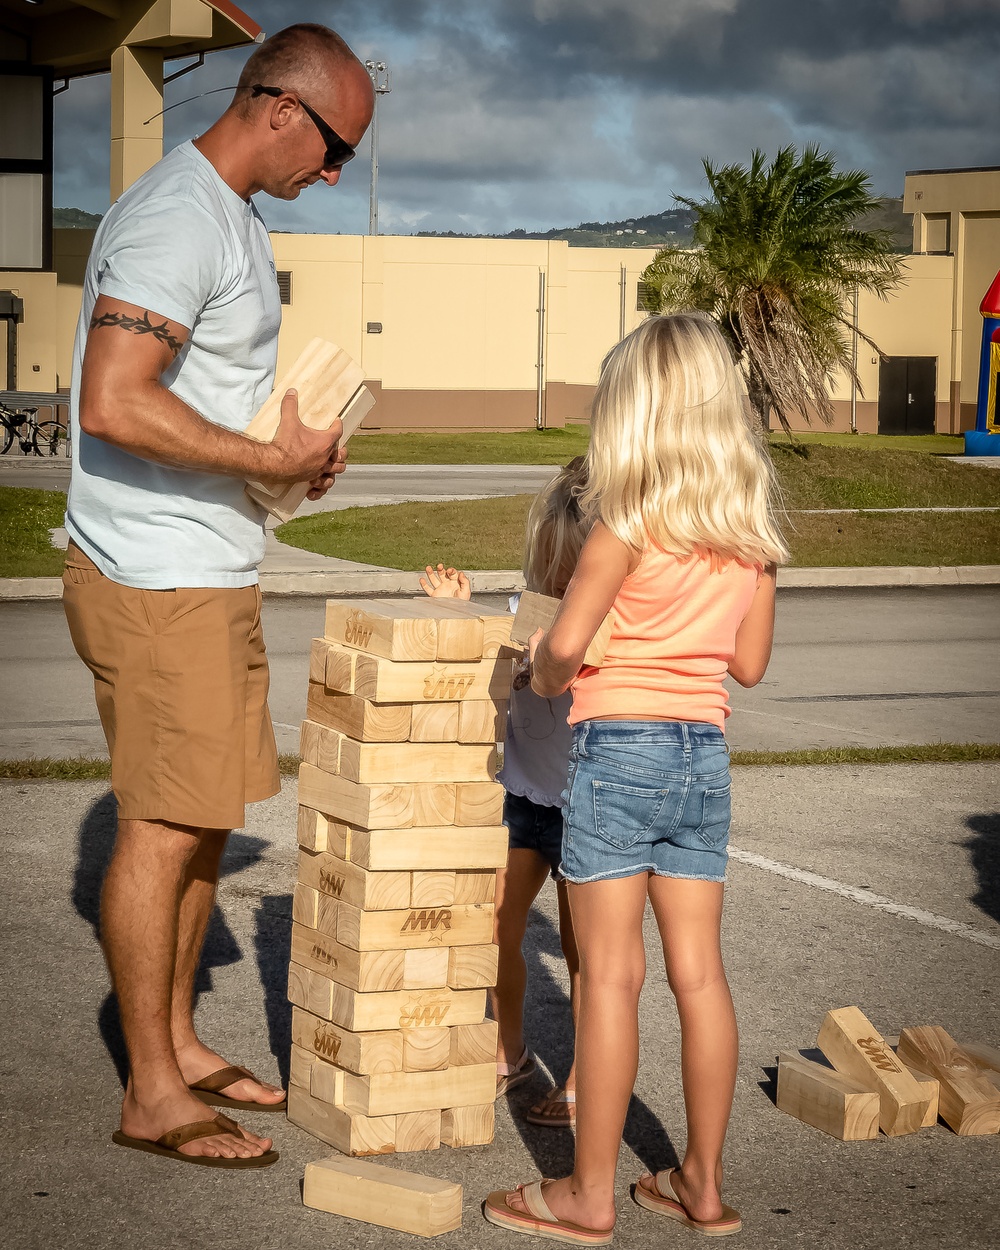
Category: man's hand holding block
[329,385]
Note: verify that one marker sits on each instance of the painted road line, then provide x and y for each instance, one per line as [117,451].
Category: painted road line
[868,898]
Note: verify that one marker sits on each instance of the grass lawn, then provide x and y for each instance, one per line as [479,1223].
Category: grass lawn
[26,516]
[558,446]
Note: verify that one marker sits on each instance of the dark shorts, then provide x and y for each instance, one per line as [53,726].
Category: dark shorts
[533,827]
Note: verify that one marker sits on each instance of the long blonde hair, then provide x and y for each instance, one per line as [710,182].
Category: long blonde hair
[673,459]
[557,528]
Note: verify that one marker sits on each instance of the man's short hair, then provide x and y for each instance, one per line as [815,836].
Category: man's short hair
[299,58]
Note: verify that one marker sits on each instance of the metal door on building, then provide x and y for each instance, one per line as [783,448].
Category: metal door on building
[907,387]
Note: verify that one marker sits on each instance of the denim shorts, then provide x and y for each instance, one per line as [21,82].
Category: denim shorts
[646,796]
[534,827]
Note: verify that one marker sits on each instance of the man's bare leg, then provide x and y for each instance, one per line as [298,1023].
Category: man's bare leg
[194,1059]
[140,905]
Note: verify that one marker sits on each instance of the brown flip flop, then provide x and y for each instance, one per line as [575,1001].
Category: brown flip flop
[558,1097]
[648,1192]
[538,1220]
[207,1089]
[169,1145]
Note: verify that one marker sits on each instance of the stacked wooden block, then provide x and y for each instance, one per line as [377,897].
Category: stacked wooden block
[400,838]
[871,1084]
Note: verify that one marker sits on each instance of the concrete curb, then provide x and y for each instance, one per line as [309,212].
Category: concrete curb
[340,583]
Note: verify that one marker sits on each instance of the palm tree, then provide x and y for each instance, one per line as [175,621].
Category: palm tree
[779,252]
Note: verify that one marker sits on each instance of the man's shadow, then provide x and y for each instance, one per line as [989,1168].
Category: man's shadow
[94,847]
[548,1026]
[984,851]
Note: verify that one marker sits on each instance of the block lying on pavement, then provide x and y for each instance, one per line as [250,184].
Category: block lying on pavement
[969,1101]
[826,1099]
[404,1201]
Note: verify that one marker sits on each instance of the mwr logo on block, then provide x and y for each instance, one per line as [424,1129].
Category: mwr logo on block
[357,631]
[331,882]
[326,1043]
[421,1017]
[450,689]
[879,1054]
[323,956]
[429,918]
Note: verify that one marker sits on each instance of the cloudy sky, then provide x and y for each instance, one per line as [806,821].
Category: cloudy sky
[539,113]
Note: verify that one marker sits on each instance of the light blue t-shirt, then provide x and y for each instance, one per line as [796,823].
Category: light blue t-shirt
[182,244]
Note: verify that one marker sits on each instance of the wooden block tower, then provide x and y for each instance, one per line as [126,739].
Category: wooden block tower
[400,837]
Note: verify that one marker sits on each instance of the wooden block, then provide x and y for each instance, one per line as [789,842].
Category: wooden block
[475,887]
[986,1058]
[434,889]
[470,924]
[827,1100]
[409,762]
[478,803]
[473,967]
[320,746]
[468,1126]
[474,1043]
[366,971]
[326,1082]
[372,626]
[317,663]
[350,883]
[317,832]
[447,847]
[382,806]
[427,967]
[496,626]
[482,721]
[388,1197]
[358,718]
[969,1101]
[363,1053]
[933,1088]
[396,1009]
[426,1050]
[346,1131]
[391,681]
[536,611]
[305,906]
[418,1130]
[434,722]
[300,1066]
[857,1050]
[391,1093]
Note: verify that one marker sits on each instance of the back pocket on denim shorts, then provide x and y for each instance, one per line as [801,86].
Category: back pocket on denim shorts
[715,816]
[624,815]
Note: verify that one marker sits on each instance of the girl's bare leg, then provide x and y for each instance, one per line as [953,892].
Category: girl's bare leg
[689,915]
[607,921]
[517,888]
[549,1106]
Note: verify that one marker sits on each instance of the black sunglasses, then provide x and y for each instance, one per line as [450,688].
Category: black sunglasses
[338,151]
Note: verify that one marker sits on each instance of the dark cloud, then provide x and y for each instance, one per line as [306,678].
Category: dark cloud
[543,112]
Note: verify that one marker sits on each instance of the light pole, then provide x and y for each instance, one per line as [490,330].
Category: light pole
[378,71]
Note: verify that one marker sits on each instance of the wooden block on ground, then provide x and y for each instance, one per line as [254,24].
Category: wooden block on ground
[388,1197]
[933,1088]
[468,1126]
[384,806]
[427,968]
[426,1050]
[473,967]
[346,1131]
[392,681]
[317,832]
[393,1009]
[475,887]
[434,889]
[482,721]
[474,1043]
[363,1053]
[969,1101]
[444,848]
[350,883]
[366,971]
[418,1130]
[478,803]
[986,1058]
[470,924]
[826,1099]
[536,611]
[358,718]
[394,1092]
[855,1048]
[433,722]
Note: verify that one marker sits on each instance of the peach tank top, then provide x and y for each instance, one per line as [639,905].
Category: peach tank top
[674,636]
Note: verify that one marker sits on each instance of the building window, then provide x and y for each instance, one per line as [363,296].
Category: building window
[285,285]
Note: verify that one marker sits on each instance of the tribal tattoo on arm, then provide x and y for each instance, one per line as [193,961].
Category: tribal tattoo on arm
[138,325]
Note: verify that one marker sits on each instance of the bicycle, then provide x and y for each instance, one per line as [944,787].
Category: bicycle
[34,437]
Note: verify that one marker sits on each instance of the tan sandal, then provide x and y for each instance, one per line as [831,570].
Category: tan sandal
[538,1220]
[207,1089]
[648,1192]
[169,1145]
[516,1074]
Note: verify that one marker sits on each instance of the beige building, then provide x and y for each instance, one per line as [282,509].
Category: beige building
[451,333]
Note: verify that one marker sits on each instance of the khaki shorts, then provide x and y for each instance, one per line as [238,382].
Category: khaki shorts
[181,683]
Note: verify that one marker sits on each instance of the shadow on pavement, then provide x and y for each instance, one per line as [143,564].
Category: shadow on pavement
[984,851]
[272,941]
[94,847]
[549,1035]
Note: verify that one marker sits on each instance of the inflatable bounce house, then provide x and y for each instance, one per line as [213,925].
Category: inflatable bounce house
[984,440]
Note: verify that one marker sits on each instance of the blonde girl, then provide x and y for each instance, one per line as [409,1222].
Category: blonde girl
[684,548]
[536,759]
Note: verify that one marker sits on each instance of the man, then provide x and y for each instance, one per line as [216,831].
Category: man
[175,353]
